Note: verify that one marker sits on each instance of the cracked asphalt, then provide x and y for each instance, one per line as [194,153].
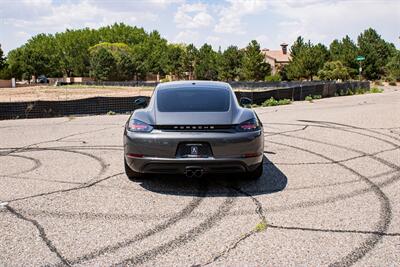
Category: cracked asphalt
[329,194]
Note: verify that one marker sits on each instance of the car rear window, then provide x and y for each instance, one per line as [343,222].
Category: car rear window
[198,99]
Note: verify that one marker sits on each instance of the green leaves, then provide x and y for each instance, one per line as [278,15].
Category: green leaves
[206,65]
[254,67]
[376,51]
[334,70]
[307,59]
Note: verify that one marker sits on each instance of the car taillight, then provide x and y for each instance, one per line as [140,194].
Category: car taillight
[248,126]
[139,126]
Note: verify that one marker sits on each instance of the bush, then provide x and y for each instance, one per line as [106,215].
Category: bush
[273,78]
[375,90]
[360,91]
[317,96]
[273,102]
[309,98]
[392,83]
[378,82]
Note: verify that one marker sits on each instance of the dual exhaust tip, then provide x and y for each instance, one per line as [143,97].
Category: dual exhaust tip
[194,172]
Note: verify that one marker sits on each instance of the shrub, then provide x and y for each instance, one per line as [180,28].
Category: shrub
[317,96]
[309,98]
[273,78]
[378,82]
[392,83]
[273,102]
[360,91]
[375,90]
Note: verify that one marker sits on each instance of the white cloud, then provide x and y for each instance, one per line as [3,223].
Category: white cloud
[231,16]
[192,16]
[187,37]
[323,21]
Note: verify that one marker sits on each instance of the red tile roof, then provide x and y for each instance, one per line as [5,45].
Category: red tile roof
[277,55]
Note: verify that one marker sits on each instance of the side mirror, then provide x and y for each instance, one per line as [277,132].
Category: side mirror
[141,102]
[244,101]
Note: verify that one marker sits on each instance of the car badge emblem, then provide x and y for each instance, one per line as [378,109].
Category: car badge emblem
[194,150]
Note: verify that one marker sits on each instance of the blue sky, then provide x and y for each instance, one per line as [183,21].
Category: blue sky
[220,23]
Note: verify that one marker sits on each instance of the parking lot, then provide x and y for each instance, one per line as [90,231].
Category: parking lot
[329,194]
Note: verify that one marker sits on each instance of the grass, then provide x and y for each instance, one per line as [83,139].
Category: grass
[273,102]
[375,90]
[261,226]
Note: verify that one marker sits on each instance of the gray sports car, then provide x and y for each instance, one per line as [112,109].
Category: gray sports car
[193,128]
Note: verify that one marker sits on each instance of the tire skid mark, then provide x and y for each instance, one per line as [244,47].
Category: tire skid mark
[295,228]
[53,140]
[185,237]
[37,164]
[381,226]
[87,184]
[371,130]
[363,154]
[42,234]
[185,212]
[82,186]
[39,179]
[259,211]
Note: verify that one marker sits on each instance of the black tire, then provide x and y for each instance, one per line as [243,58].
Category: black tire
[257,173]
[132,175]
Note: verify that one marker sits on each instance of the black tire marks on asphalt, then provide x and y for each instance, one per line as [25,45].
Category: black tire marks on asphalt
[36,164]
[385,214]
[185,212]
[95,180]
[54,140]
[259,211]
[332,230]
[42,234]
[185,237]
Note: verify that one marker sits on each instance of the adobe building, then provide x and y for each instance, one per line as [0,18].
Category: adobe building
[277,58]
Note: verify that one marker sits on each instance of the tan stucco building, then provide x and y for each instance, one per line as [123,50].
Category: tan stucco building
[277,58]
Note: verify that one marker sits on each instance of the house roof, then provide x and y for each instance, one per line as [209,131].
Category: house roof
[277,55]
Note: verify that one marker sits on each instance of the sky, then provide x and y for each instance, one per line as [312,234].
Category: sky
[219,23]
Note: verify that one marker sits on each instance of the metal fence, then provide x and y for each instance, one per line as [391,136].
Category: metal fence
[103,105]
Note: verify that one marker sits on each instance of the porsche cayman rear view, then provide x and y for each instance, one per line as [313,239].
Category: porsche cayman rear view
[193,128]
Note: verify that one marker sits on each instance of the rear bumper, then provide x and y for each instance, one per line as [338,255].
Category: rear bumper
[159,151]
[208,165]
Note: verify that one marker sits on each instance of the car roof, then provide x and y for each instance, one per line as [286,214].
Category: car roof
[193,83]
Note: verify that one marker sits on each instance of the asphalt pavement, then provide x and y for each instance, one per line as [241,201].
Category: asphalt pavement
[329,194]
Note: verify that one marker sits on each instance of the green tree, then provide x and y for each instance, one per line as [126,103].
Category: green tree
[175,55]
[393,67]
[307,61]
[376,51]
[206,67]
[345,51]
[102,64]
[125,68]
[334,70]
[41,57]
[189,60]
[254,67]
[2,59]
[72,47]
[230,64]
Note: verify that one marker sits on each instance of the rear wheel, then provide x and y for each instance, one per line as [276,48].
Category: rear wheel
[257,173]
[132,175]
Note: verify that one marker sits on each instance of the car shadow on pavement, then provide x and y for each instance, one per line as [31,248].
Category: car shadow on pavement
[272,180]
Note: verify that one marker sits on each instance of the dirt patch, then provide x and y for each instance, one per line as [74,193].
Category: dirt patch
[34,93]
